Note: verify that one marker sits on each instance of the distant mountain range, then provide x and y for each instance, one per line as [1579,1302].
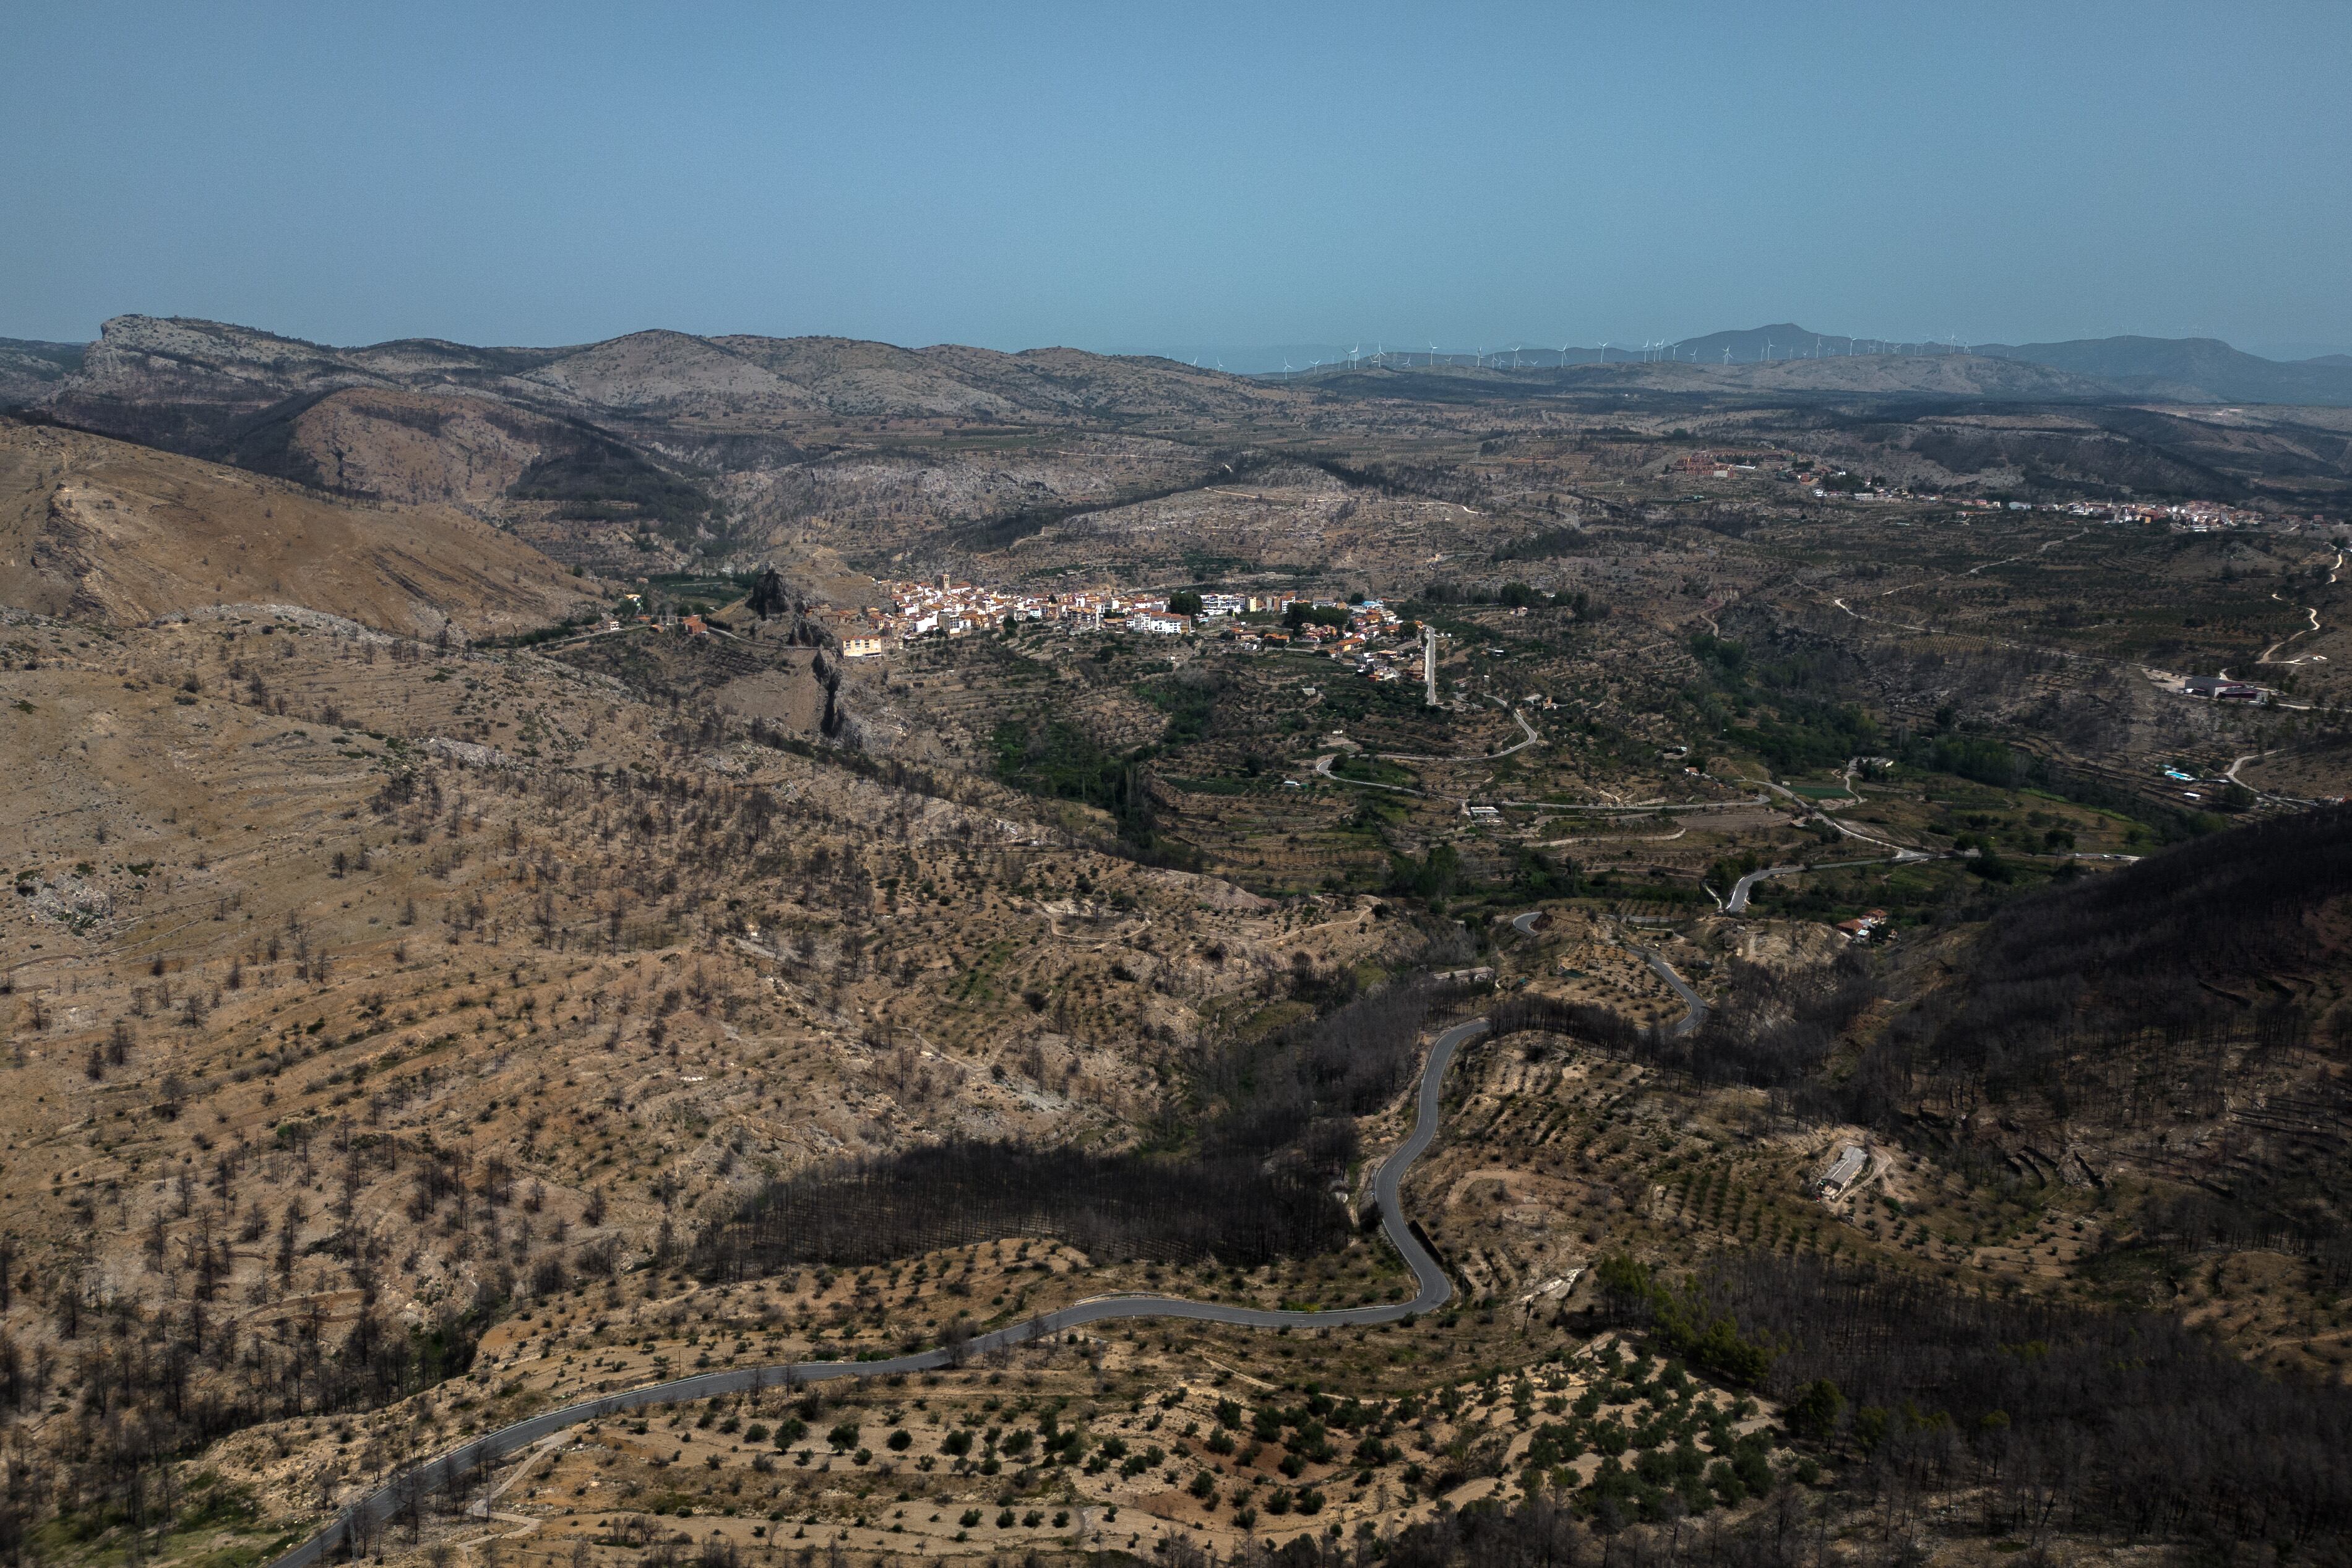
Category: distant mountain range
[671,444]
[421,420]
[797,378]
[603,446]
[2189,370]
[2192,369]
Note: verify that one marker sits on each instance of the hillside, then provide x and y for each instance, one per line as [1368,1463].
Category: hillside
[500,1004]
[2176,1030]
[1939,375]
[104,530]
[390,445]
[638,452]
[661,451]
[2204,369]
[187,383]
[1788,360]
[2193,370]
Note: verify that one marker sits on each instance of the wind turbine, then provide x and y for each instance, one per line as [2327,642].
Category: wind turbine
[1767,348]
[1604,351]
[1352,353]
[1563,356]
[1727,353]
[1433,357]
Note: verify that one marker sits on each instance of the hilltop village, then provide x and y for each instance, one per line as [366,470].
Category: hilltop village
[948,609]
[1379,642]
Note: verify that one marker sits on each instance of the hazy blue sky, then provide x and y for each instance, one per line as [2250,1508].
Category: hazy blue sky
[1125,173]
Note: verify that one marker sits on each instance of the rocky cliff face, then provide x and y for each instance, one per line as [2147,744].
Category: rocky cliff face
[30,371]
[189,387]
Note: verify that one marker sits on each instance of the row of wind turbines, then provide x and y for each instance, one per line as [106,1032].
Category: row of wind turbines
[1649,352]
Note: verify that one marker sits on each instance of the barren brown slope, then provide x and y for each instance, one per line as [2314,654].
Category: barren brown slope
[1119,386]
[99,528]
[855,378]
[673,375]
[413,446]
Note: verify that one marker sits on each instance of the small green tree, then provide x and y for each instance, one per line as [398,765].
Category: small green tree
[1813,1414]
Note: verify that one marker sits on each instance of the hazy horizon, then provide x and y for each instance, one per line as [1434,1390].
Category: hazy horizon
[1266,359]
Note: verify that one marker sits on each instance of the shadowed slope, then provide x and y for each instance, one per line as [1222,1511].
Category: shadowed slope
[96,527]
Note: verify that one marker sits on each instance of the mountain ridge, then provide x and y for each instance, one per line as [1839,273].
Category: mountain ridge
[2208,365]
[656,447]
[2125,367]
[857,377]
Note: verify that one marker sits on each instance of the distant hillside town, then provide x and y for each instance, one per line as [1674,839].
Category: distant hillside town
[1359,628]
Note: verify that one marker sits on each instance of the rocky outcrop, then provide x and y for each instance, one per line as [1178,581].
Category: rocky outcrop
[31,371]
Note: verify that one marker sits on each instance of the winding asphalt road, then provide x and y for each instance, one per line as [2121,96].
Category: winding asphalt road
[379,1506]
[1737,903]
[1696,1010]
